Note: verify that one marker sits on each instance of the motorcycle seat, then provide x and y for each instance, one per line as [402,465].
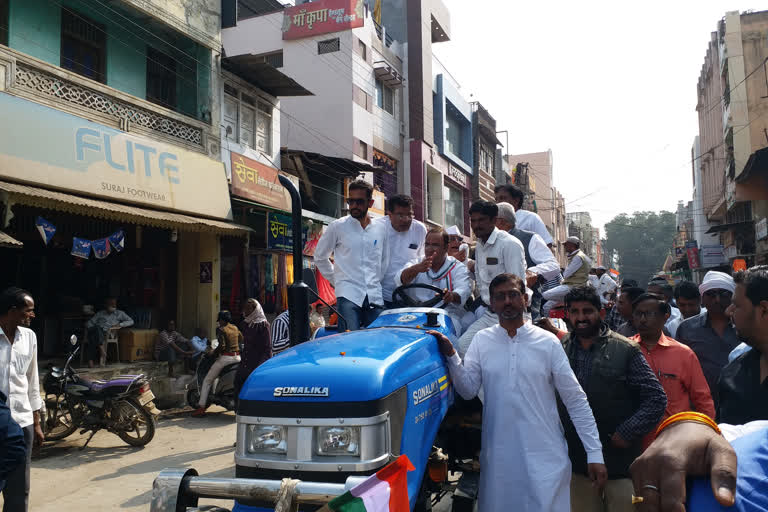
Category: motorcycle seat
[230,367]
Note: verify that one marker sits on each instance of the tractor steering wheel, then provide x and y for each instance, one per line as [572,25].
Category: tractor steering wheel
[399,295]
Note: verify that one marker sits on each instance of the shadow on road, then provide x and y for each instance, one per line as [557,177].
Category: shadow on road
[166,461]
[146,497]
[214,419]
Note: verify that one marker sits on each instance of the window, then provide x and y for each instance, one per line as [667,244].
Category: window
[361,149]
[161,78]
[385,97]
[247,119]
[485,159]
[4,22]
[362,98]
[82,45]
[454,207]
[328,46]
[434,196]
[453,131]
[361,49]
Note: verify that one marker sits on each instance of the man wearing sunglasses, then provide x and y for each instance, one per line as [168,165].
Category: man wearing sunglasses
[357,246]
[710,334]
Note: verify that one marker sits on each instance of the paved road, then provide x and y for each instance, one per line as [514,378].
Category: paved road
[110,475]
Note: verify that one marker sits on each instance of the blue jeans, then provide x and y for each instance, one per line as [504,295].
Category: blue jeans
[352,317]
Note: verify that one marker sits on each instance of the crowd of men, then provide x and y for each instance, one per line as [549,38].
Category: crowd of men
[608,413]
[631,357]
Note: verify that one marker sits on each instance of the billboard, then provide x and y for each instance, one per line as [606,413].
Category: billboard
[322,17]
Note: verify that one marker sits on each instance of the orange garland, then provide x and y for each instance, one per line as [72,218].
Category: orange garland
[688,416]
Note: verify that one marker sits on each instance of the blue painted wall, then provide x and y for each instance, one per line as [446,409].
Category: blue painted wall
[35,29]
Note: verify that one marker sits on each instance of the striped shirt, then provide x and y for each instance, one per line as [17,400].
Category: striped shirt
[281,333]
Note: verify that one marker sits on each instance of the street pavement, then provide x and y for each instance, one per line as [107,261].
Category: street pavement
[110,475]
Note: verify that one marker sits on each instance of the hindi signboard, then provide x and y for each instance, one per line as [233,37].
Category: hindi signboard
[279,232]
[258,182]
[322,17]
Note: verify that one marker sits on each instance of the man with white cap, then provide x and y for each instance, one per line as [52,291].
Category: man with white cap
[710,334]
[456,247]
[576,274]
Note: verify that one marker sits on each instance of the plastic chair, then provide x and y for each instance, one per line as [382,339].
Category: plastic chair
[112,339]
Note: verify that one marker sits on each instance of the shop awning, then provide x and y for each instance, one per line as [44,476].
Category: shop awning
[43,198]
[8,242]
[254,70]
[725,227]
[296,162]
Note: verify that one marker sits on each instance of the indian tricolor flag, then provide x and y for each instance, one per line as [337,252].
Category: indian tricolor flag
[386,491]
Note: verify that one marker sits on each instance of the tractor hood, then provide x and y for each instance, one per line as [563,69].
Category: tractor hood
[354,366]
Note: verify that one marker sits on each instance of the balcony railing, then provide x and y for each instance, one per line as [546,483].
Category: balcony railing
[43,83]
[381,33]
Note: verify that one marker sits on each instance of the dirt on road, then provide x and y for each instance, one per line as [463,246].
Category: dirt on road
[110,475]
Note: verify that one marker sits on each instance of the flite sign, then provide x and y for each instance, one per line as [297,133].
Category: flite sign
[258,182]
[322,17]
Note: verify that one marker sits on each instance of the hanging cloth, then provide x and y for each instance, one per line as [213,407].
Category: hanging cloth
[324,288]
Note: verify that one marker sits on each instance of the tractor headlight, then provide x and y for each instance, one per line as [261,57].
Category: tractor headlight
[335,441]
[267,439]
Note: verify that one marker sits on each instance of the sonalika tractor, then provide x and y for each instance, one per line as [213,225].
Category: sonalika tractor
[318,418]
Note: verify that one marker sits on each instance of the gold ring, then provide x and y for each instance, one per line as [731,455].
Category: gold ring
[637,499]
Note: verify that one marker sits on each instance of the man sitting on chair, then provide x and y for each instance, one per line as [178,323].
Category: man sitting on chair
[109,319]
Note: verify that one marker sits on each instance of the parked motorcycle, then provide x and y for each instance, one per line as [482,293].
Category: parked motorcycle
[123,406]
[223,388]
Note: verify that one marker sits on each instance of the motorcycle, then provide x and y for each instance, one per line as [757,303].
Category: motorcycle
[123,406]
[223,388]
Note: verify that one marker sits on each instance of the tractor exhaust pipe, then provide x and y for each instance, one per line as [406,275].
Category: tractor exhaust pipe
[298,292]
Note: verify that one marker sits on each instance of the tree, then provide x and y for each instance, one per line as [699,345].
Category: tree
[641,242]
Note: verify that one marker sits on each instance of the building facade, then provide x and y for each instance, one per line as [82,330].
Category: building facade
[113,157]
[732,126]
[485,143]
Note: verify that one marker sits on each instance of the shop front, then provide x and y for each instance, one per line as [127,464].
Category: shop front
[93,212]
[263,268]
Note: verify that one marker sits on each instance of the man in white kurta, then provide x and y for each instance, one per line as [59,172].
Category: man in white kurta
[524,464]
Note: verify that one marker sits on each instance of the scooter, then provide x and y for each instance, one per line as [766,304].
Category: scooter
[223,388]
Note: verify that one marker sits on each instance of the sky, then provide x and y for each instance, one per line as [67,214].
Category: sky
[609,87]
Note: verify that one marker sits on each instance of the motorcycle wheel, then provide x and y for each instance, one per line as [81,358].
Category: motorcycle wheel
[139,418]
[193,398]
[60,421]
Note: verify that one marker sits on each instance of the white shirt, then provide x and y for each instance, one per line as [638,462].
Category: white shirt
[605,285]
[530,221]
[18,375]
[401,247]
[545,263]
[502,253]
[452,275]
[359,259]
[524,463]
[675,319]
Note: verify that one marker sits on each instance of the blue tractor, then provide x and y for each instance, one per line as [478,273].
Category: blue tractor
[327,412]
